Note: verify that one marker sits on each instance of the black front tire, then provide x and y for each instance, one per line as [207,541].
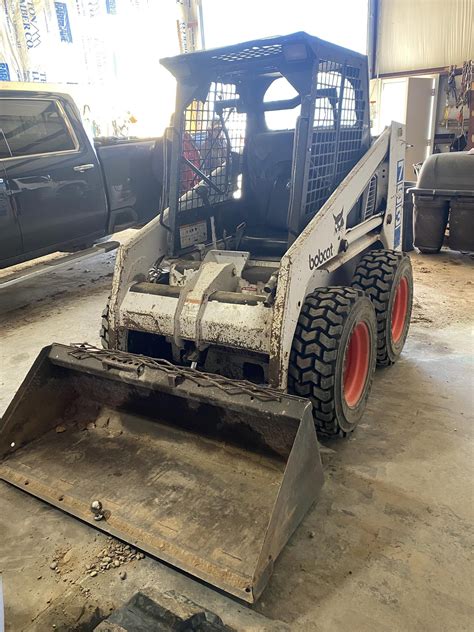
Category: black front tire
[381,273]
[317,365]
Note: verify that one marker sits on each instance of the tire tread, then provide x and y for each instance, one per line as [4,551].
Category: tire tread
[323,315]
[374,275]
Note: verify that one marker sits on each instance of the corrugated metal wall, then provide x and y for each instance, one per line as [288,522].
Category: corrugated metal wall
[421,34]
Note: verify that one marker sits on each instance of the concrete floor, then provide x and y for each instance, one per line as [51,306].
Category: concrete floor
[393,529]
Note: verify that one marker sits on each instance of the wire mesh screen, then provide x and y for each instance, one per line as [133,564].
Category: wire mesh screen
[252,52]
[212,147]
[337,131]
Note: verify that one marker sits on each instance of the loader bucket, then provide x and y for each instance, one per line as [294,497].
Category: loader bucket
[208,474]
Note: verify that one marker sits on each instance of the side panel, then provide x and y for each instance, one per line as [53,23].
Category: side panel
[10,235]
[392,230]
[132,263]
[322,245]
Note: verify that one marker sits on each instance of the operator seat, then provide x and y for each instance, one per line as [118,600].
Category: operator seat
[268,161]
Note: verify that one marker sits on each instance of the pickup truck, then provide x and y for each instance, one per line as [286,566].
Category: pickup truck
[58,189]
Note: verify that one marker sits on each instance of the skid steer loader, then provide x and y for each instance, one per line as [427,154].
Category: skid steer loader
[251,311]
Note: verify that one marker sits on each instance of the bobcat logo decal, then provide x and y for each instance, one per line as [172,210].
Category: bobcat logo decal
[339,222]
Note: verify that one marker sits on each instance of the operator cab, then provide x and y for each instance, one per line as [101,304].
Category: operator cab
[264,132]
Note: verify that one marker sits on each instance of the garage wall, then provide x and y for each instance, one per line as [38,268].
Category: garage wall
[423,34]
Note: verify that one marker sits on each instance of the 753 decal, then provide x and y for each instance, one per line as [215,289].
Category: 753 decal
[400,192]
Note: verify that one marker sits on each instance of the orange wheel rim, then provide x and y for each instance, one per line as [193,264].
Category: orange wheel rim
[356,364]
[399,309]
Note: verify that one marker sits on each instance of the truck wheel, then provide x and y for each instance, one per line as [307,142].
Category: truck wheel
[332,359]
[104,329]
[386,276]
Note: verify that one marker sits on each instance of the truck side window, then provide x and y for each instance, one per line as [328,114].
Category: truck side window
[33,126]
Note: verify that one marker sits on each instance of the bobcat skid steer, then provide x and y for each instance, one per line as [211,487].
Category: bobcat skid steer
[248,314]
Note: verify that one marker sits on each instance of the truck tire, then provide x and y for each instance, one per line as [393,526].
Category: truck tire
[104,329]
[332,359]
[387,278]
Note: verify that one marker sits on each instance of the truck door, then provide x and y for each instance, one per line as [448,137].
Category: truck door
[52,172]
[10,235]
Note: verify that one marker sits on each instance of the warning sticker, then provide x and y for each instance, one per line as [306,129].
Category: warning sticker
[192,234]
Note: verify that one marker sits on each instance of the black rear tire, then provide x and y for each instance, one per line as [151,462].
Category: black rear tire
[381,273]
[322,345]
